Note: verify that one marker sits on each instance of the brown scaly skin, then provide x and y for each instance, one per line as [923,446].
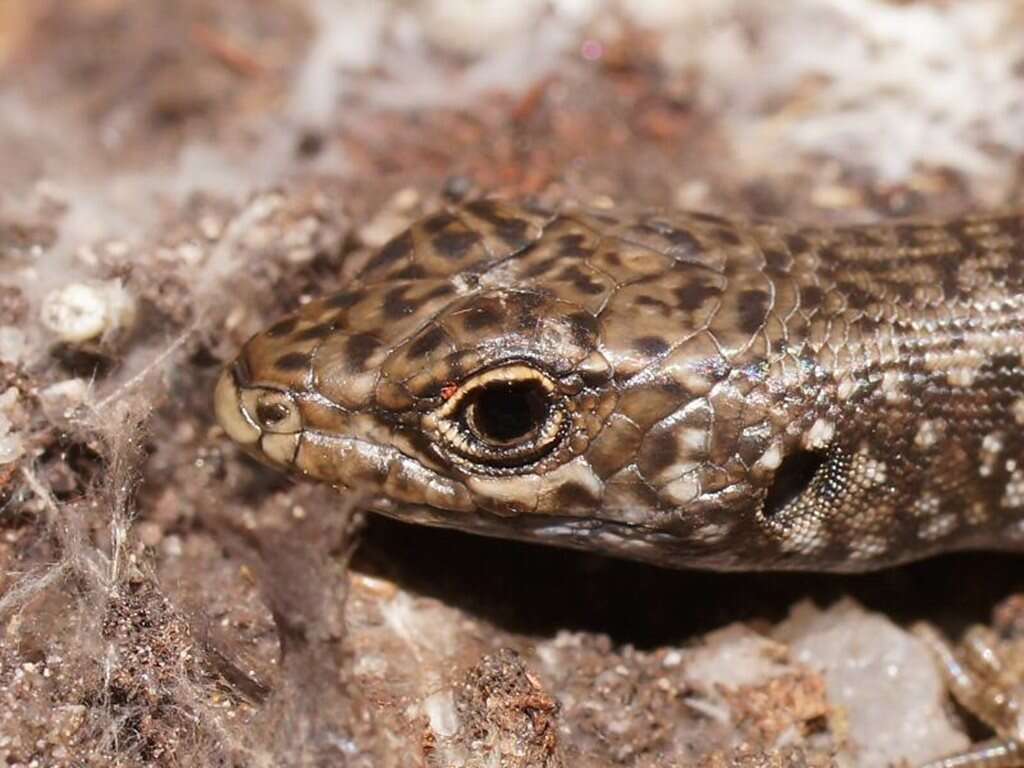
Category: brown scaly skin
[674,387]
[717,394]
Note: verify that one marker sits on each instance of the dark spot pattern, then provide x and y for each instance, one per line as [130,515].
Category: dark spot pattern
[710,218]
[571,246]
[439,221]
[584,328]
[811,296]
[284,327]
[728,236]
[511,230]
[1003,362]
[314,332]
[396,303]
[359,348]
[293,361]
[398,248]
[480,317]
[435,293]
[753,309]
[662,452]
[776,262]
[798,244]
[698,290]
[453,243]
[684,244]
[581,281]
[856,297]
[411,272]
[651,346]
[544,266]
[573,495]
[427,343]
[343,300]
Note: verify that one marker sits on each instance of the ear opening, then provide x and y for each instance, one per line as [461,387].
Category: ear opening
[791,479]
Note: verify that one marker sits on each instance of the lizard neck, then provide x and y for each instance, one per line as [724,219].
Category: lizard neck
[920,328]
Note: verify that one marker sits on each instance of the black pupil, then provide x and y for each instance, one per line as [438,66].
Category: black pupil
[509,410]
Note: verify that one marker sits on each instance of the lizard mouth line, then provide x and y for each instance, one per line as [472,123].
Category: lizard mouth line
[483,520]
[526,521]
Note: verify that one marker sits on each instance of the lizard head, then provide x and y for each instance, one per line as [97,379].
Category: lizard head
[571,380]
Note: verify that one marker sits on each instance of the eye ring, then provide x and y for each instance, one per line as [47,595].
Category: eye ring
[506,418]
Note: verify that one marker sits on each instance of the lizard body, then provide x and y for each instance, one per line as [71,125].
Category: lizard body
[680,388]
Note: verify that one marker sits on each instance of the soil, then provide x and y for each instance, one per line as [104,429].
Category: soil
[167,601]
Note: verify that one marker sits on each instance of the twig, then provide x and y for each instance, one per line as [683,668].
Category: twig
[31,584]
[71,561]
[139,377]
[70,545]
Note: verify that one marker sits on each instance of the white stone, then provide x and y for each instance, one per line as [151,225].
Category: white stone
[882,678]
[12,345]
[83,311]
[474,27]
[11,447]
[734,656]
[67,394]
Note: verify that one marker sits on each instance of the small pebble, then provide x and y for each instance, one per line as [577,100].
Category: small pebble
[84,311]
[11,447]
[12,345]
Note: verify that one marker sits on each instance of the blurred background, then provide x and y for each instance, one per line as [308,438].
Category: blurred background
[174,174]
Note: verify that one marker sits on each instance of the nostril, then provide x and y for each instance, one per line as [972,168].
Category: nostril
[271,414]
[271,410]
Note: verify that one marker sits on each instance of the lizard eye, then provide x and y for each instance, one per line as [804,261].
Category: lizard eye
[506,412]
[505,418]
